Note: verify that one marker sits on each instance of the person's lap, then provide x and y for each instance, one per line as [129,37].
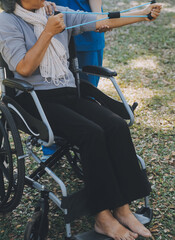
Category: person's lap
[71,116]
[67,114]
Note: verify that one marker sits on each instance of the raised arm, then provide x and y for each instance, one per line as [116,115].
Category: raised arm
[118,22]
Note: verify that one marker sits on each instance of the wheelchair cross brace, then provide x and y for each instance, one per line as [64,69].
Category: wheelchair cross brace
[32,183]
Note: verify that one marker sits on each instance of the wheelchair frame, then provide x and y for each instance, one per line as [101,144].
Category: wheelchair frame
[144,215]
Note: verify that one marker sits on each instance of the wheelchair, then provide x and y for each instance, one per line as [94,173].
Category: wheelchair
[14,119]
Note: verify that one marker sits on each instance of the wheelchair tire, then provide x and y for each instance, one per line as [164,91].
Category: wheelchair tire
[33,227]
[74,159]
[12,168]
[6,175]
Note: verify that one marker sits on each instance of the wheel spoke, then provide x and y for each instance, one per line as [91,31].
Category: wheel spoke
[5,170]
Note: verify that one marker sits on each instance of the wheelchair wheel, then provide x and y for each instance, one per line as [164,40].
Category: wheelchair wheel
[74,159]
[12,170]
[34,228]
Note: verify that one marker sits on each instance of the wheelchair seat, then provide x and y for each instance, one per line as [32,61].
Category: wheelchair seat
[25,121]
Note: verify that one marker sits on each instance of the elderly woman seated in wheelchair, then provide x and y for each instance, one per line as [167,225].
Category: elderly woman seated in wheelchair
[35,48]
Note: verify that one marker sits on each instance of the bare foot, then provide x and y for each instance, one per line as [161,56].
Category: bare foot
[125,216]
[106,224]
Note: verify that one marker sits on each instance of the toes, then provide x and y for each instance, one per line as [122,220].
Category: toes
[147,233]
[128,238]
[123,238]
[131,237]
[134,235]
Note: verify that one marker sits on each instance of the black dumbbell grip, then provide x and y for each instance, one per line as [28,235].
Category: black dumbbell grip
[55,13]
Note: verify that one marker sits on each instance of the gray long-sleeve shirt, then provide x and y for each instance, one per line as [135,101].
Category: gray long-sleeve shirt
[17,37]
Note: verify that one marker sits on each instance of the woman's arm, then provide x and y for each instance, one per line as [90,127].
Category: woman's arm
[118,22]
[34,56]
[95,5]
[55,25]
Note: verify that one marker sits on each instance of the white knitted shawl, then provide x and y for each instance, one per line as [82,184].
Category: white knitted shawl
[54,63]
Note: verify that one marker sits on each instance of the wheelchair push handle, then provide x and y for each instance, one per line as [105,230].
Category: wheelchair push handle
[2,77]
[2,74]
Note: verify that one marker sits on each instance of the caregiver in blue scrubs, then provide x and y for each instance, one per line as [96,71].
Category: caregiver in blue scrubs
[89,45]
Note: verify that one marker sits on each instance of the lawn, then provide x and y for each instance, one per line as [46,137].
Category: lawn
[144,57]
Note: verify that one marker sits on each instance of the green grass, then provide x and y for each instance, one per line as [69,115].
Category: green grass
[144,57]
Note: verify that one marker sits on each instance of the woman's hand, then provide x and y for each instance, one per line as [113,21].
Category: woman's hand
[50,7]
[154,9]
[55,24]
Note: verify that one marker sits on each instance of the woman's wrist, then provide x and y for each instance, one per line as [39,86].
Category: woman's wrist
[47,34]
[136,13]
[144,13]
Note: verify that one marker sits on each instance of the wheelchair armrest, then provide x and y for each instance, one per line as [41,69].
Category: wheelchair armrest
[106,72]
[18,84]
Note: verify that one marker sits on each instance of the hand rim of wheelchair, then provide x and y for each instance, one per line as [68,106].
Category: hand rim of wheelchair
[14,177]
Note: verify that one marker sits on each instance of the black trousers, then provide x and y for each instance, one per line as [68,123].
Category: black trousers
[111,169]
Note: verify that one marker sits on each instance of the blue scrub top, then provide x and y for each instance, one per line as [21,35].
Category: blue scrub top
[88,41]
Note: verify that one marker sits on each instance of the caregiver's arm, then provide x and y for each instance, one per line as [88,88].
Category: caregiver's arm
[95,5]
[34,56]
[49,7]
[118,22]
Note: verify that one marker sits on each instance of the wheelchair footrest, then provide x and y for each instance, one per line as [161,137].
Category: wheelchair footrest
[144,215]
[91,235]
[75,210]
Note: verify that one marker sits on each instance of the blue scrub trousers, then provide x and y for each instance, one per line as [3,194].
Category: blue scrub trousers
[90,58]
